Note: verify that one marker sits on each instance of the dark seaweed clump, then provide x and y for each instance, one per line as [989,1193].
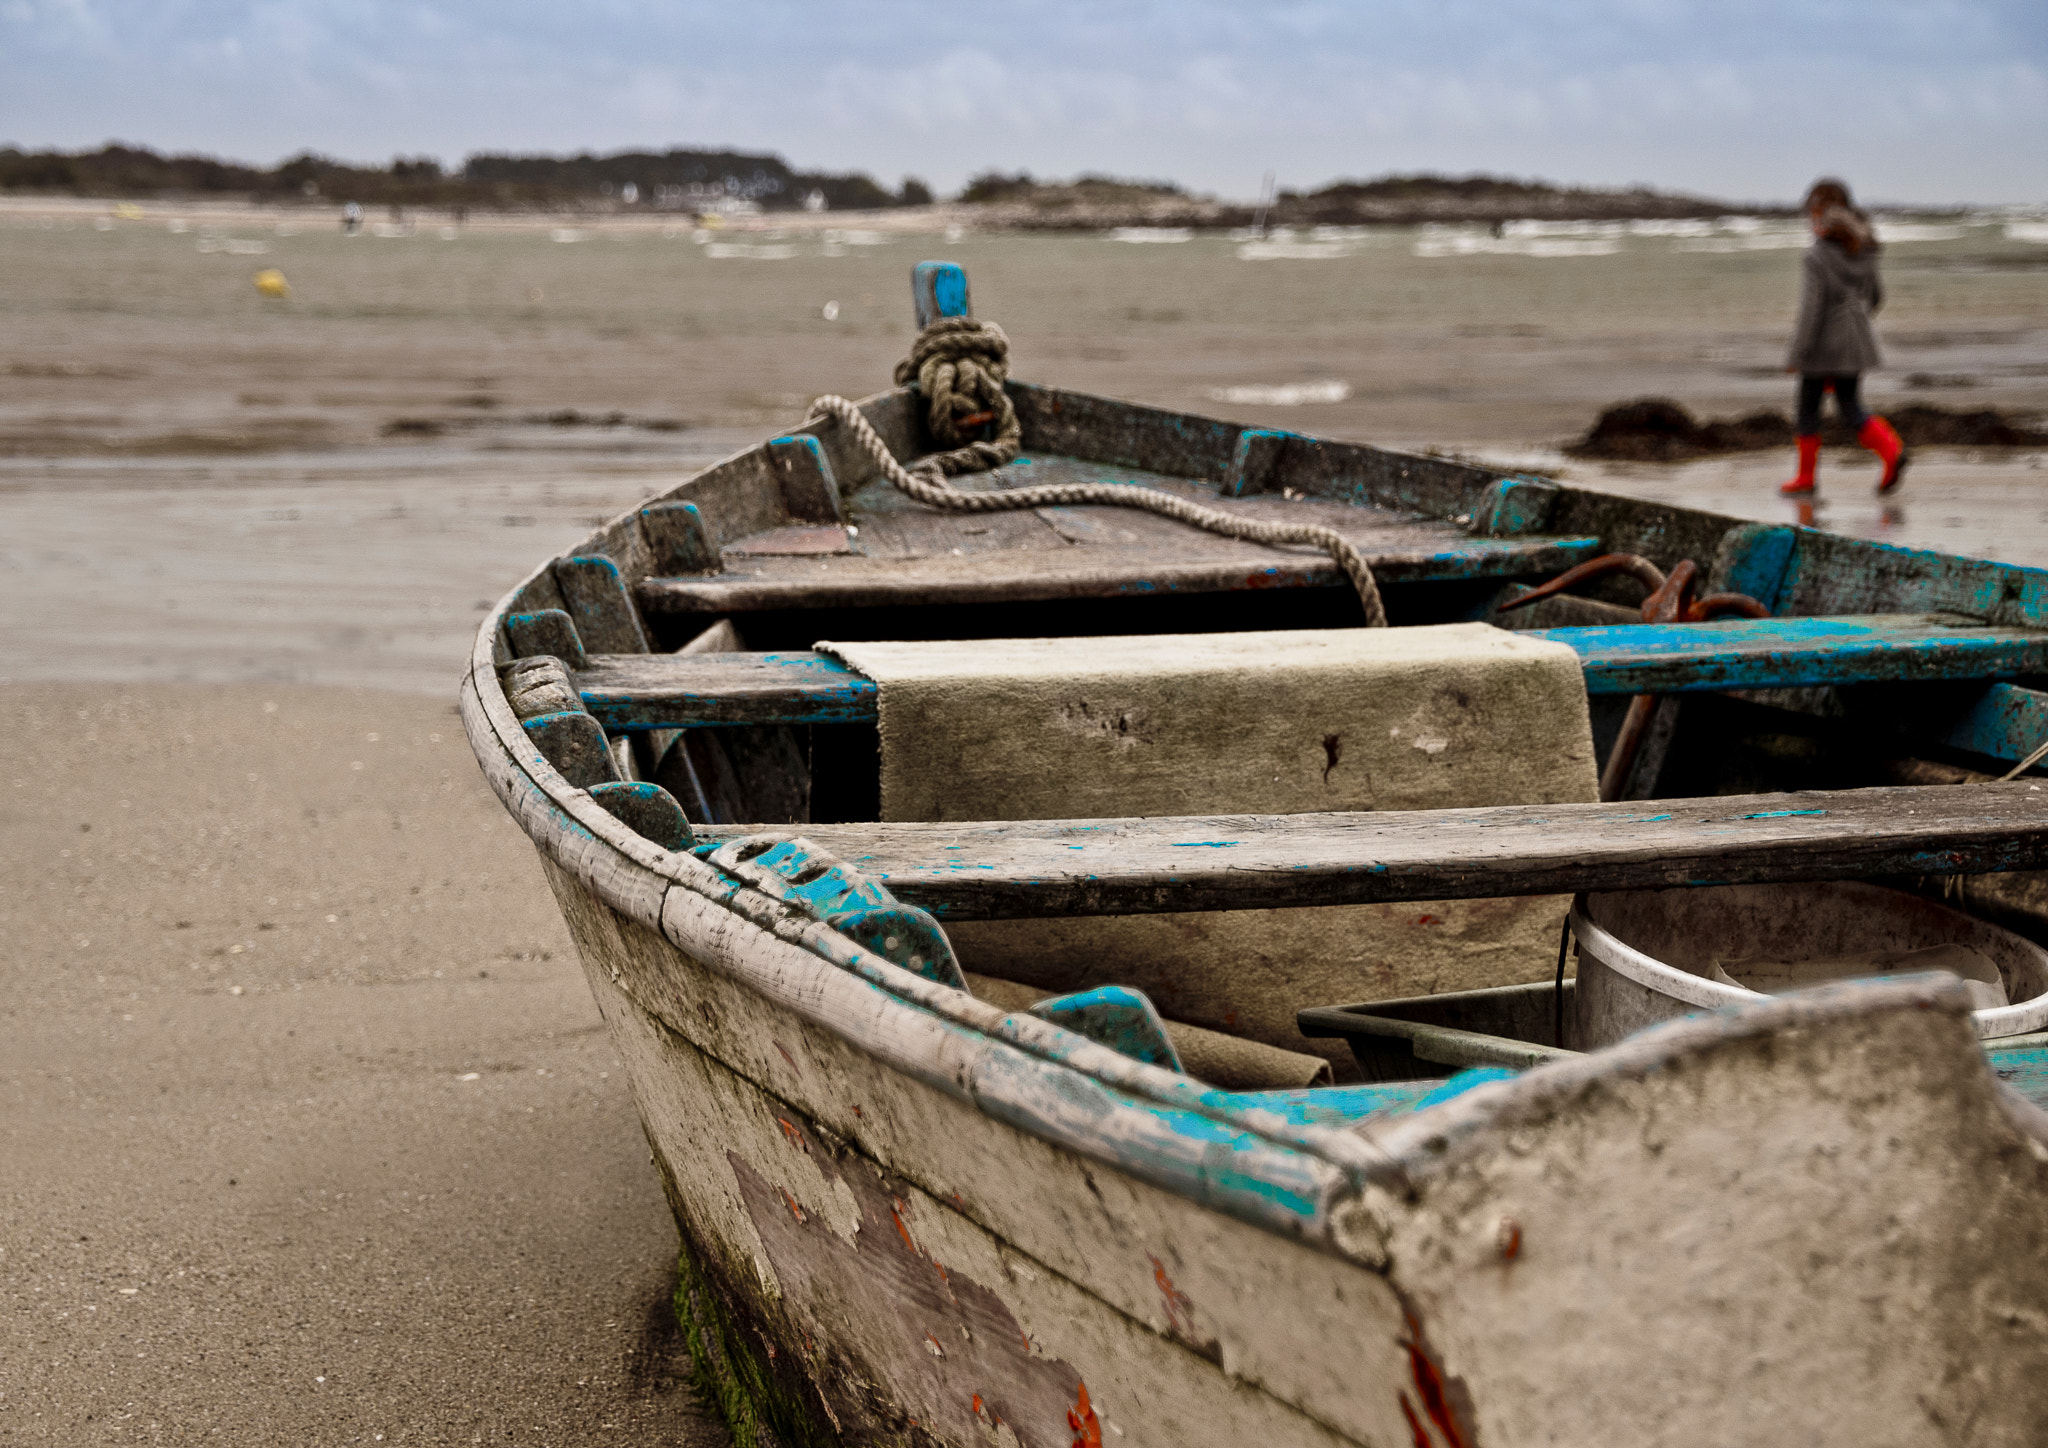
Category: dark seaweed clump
[1658,430]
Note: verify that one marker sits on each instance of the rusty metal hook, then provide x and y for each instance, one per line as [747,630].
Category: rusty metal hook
[1669,600]
[1725,605]
[1634,565]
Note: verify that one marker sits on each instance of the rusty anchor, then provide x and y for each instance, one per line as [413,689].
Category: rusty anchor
[1669,600]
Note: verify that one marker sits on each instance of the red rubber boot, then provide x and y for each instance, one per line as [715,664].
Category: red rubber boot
[1883,439]
[1809,463]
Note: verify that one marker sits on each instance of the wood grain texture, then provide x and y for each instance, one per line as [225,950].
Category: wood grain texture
[1830,574]
[548,632]
[1775,653]
[572,742]
[683,691]
[1058,421]
[678,539]
[797,540]
[1035,868]
[1040,576]
[810,491]
[601,604]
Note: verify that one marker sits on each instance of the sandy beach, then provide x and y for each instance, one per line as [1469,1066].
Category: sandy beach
[312,1131]
[313,1135]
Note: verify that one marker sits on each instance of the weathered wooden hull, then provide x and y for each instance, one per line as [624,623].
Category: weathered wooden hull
[910,1217]
[1667,1245]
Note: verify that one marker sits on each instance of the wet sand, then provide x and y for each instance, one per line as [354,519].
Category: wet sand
[250,1196]
[312,1133]
[140,341]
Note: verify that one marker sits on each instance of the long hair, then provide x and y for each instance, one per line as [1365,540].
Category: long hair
[1843,222]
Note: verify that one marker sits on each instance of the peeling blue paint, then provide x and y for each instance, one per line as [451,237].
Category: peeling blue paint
[1776,653]
[1116,1016]
[803,687]
[2003,721]
[2022,1067]
[1756,559]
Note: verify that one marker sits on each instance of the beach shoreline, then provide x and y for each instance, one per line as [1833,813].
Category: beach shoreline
[314,1134]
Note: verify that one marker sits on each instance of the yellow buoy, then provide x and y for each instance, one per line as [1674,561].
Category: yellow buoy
[270,281]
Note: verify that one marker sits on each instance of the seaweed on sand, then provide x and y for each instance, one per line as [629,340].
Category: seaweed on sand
[1657,429]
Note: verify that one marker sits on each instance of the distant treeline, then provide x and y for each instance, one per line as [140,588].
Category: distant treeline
[696,181]
[679,180]
[994,188]
[1427,197]
[1022,201]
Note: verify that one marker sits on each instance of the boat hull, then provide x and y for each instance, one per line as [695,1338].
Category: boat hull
[926,1266]
[909,1217]
[1604,1265]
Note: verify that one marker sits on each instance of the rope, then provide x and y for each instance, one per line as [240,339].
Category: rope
[2025,764]
[960,366]
[927,487]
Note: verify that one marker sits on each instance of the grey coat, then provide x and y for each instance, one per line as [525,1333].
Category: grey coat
[1837,294]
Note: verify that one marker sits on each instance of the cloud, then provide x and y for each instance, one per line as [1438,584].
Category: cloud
[1930,101]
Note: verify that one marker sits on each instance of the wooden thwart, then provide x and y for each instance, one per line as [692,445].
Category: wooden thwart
[685,691]
[1030,868]
[680,691]
[1031,577]
[1769,653]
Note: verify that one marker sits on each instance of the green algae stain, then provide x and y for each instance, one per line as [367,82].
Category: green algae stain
[731,1372]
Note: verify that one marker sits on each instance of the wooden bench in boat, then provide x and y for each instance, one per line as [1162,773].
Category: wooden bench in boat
[1030,868]
[899,553]
[679,691]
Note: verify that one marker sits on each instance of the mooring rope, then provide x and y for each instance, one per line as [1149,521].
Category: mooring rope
[963,385]
[960,365]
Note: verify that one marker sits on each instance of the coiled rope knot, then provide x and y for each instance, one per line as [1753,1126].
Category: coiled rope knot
[960,365]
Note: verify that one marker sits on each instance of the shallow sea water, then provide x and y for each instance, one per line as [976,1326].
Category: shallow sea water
[200,481]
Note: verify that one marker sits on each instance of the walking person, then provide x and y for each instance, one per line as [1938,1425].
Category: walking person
[1833,343]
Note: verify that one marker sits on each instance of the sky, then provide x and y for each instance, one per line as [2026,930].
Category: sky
[1927,101]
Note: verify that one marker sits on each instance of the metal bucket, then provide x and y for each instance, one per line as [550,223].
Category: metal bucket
[1644,955]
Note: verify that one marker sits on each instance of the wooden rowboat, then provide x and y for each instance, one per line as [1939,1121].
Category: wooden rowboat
[916,1211]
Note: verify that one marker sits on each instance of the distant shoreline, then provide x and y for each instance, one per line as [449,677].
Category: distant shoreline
[684,184]
[936,219]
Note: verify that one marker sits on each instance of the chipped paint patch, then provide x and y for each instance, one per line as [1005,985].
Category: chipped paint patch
[947,1350]
[1180,1311]
[1441,1398]
[1081,1418]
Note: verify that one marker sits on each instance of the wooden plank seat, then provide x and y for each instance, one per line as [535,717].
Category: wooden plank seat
[902,553]
[1765,653]
[689,691]
[681,691]
[789,582]
[1052,868]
